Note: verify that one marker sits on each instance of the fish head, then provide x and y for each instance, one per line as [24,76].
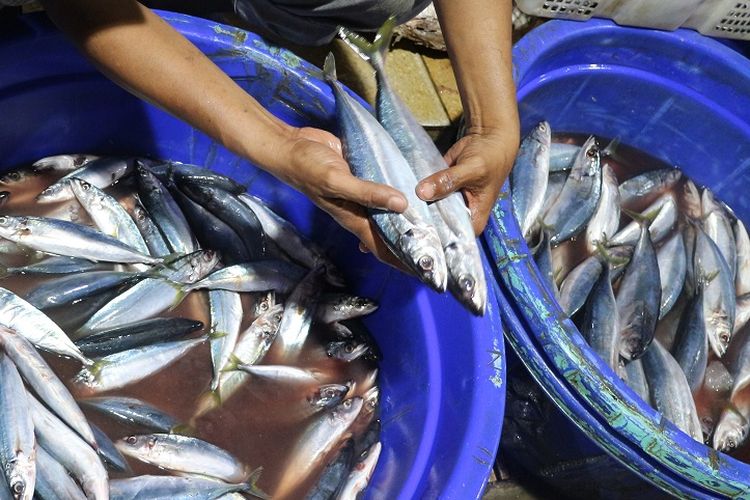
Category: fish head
[346,350]
[347,411]
[328,395]
[542,134]
[10,225]
[425,256]
[135,445]
[731,431]
[466,279]
[267,324]
[264,303]
[590,154]
[360,306]
[82,189]
[371,400]
[198,263]
[21,477]
[53,193]
[632,343]
[719,331]
[13,177]
[341,331]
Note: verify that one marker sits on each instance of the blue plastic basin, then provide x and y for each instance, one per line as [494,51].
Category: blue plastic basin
[684,99]
[442,374]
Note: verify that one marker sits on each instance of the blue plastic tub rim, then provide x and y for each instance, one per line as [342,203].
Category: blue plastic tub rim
[584,387]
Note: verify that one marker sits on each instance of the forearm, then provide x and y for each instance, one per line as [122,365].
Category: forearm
[478,35]
[141,52]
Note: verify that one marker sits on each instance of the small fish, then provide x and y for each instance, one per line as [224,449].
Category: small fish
[225,308]
[579,196]
[259,276]
[16,177]
[606,218]
[184,454]
[691,345]
[334,307]
[132,411]
[55,265]
[17,443]
[298,313]
[102,173]
[529,177]
[638,298]
[651,183]
[69,239]
[734,423]
[346,350]
[40,377]
[578,283]
[662,212]
[717,226]
[360,475]
[125,368]
[108,452]
[138,334]
[672,267]
[62,163]
[670,392]
[75,287]
[742,280]
[170,488]
[334,475]
[600,323]
[53,481]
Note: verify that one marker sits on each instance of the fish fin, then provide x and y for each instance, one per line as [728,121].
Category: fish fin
[183,430]
[232,363]
[182,292]
[329,68]
[642,218]
[376,51]
[251,489]
[603,251]
[208,401]
[169,259]
[96,367]
[216,335]
[610,150]
[3,271]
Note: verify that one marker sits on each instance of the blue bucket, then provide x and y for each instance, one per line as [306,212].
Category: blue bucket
[442,375]
[684,99]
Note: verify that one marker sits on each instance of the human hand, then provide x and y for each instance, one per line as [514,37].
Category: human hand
[315,166]
[478,164]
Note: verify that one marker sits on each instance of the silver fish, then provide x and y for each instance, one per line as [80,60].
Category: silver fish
[67,238]
[335,473]
[529,177]
[606,218]
[742,280]
[600,323]
[578,284]
[108,215]
[107,451]
[663,213]
[45,383]
[291,241]
[53,481]
[719,303]
[170,488]
[16,177]
[670,392]
[320,437]
[691,346]
[347,350]
[374,156]
[62,163]
[282,374]
[734,423]
[23,318]
[258,276]
[184,454]
[333,307]
[638,299]
[156,243]
[101,173]
[651,183]
[672,266]
[55,265]
[75,287]
[562,156]
[226,316]
[127,367]
[579,197]
[714,396]
[17,444]
[361,473]
[298,313]
[717,226]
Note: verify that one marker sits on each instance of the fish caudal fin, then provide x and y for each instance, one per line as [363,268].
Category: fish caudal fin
[329,68]
[376,51]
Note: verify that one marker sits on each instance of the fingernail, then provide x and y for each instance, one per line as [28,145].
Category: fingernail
[426,190]
[396,203]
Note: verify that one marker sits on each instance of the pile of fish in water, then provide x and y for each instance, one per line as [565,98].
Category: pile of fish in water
[190,229]
[663,297]
[436,242]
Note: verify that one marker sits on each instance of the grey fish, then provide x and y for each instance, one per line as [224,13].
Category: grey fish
[108,215]
[636,379]
[184,454]
[334,475]
[67,238]
[291,241]
[320,437]
[734,423]
[670,392]
[691,346]
[40,377]
[17,444]
[107,451]
[23,318]
[719,303]
[374,156]
[170,488]
[70,317]
[742,280]
[226,316]
[333,307]
[543,260]
[177,170]
[165,213]
[151,296]
[75,287]
[132,411]
[156,243]
[128,367]
[578,284]
[663,213]
[529,177]
[653,182]
[717,226]
[360,475]
[53,481]
[55,265]
[606,218]
[252,345]
[282,374]
[62,163]
[259,276]
[579,197]
[347,350]
[102,173]
[600,323]
[672,266]
[690,201]
[138,334]
[638,299]
[298,313]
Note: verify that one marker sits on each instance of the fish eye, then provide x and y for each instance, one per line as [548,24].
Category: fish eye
[348,348]
[3,220]
[18,487]
[426,263]
[466,283]
[724,338]
[347,404]
[131,439]
[591,152]
[14,176]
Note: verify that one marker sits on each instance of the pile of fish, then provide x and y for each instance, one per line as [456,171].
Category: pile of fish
[113,245]
[662,297]
[436,242]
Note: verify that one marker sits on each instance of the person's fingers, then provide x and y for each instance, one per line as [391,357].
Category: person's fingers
[449,180]
[336,183]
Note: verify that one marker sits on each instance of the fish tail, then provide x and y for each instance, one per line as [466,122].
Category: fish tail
[232,364]
[610,150]
[329,68]
[252,478]
[376,51]
[183,430]
[214,335]
[208,401]
[182,292]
